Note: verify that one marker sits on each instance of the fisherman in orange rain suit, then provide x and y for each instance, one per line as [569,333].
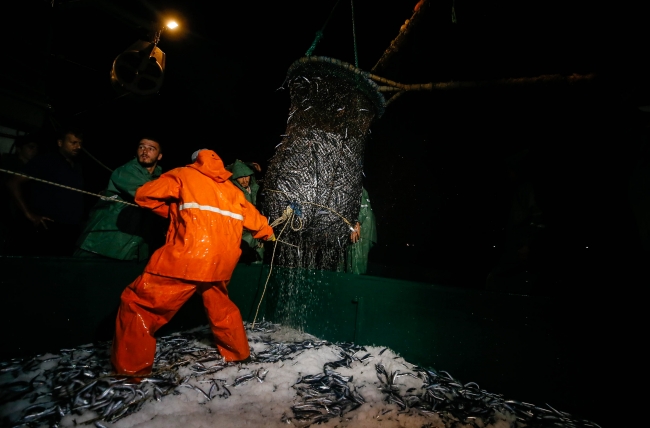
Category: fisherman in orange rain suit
[207,213]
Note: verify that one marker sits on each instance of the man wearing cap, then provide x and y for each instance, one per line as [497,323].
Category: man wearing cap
[207,214]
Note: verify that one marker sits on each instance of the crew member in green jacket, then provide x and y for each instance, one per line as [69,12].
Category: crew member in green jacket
[243,176]
[120,231]
[363,238]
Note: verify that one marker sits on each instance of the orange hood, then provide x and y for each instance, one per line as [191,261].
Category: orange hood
[209,163]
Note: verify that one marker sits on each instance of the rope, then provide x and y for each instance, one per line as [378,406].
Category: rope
[287,218]
[307,202]
[295,229]
[286,243]
[95,159]
[270,269]
[287,215]
[57,125]
[354,37]
[319,33]
[69,188]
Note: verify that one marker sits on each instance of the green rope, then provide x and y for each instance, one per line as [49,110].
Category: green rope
[453,12]
[319,33]
[354,37]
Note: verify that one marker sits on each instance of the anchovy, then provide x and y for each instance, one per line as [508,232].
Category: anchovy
[227,390]
[196,388]
[157,393]
[261,375]
[215,388]
[10,368]
[80,382]
[365,357]
[243,379]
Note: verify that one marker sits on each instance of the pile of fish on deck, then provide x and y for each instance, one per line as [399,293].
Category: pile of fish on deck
[75,387]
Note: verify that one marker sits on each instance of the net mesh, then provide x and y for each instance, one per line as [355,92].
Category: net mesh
[317,167]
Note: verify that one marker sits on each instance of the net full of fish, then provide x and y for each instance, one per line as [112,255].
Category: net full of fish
[75,387]
[317,168]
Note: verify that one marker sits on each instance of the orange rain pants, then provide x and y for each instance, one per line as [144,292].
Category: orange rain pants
[151,301]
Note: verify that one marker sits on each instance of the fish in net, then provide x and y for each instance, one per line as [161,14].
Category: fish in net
[317,168]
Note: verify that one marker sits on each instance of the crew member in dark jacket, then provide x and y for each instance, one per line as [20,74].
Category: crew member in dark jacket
[55,212]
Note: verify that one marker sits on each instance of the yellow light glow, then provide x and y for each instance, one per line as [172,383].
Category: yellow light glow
[172,24]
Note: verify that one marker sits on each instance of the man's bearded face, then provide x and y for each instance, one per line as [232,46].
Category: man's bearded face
[244,181]
[148,153]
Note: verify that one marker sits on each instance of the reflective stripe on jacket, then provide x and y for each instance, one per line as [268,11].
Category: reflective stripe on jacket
[207,215]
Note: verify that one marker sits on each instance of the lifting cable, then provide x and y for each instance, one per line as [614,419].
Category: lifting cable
[319,33]
[354,37]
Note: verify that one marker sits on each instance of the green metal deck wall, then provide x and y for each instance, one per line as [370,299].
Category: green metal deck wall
[528,348]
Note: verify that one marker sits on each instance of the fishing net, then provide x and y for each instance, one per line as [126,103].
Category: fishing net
[317,167]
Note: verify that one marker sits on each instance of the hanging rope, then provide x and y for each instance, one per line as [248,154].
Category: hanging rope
[319,33]
[289,215]
[354,37]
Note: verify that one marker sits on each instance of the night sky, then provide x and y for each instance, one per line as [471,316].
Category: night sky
[436,162]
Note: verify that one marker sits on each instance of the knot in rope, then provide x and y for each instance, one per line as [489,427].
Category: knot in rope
[286,215]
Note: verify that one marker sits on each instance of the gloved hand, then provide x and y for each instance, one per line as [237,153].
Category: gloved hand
[356,233]
[271,238]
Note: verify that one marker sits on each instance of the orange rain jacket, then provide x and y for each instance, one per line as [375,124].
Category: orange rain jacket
[207,213]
